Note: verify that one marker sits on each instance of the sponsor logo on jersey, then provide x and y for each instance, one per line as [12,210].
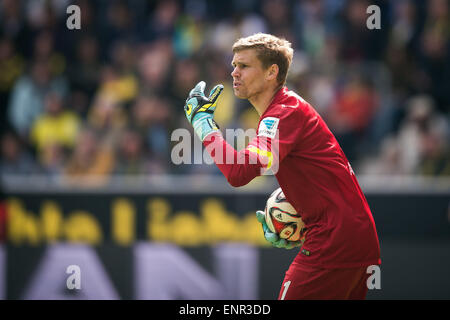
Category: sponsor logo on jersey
[306,252]
[268,127]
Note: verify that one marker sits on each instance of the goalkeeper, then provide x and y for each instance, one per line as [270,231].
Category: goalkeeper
[295,144]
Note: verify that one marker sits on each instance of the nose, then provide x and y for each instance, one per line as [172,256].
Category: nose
[234,72]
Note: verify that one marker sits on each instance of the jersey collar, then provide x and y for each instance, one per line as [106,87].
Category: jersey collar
[275,100]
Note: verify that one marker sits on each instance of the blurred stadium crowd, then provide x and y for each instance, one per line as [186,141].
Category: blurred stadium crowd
[105,99]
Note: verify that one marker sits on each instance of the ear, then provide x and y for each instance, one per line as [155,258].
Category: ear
[272,72]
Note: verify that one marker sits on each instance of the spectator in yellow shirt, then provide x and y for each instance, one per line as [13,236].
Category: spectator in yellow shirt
[55,126]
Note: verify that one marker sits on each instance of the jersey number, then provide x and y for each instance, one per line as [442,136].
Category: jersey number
[286,287]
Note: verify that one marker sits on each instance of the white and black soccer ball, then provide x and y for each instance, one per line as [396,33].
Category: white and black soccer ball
[282,218]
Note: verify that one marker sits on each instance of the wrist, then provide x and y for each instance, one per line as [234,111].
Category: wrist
[204,126]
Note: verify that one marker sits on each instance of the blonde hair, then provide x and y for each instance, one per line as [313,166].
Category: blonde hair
[269,50]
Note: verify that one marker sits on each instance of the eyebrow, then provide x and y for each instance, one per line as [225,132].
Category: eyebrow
[236,63]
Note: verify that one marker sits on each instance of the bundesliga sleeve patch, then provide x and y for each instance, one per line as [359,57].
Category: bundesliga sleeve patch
[268,127]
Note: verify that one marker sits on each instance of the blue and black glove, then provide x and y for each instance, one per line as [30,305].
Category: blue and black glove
[200,109]
[273,238]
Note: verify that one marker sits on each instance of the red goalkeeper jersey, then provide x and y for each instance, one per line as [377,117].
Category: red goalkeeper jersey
[294,143]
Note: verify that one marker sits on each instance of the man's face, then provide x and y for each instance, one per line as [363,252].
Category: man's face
[249,77]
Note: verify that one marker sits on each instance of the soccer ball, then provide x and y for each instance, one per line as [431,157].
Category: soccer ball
[282,218]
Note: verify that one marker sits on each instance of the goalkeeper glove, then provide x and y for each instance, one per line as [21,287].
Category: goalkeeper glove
[199,109]
[273,238]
